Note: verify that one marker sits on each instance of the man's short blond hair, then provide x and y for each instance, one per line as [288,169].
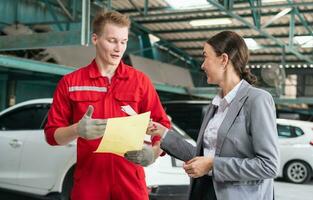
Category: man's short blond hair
[112,17]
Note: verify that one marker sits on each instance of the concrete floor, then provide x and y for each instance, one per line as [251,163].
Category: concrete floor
[289,191]
[283,191]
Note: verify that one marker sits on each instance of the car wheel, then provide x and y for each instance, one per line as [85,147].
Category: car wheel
[67,185]
[297,172]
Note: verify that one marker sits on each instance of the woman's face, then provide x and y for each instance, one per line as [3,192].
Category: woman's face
[212,65]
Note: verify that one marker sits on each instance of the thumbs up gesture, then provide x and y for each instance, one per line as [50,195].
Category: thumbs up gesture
[89,128]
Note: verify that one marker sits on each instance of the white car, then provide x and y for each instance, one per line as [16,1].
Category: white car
[29,165]
[296,149]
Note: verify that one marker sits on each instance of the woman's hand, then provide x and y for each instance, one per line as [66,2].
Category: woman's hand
[156,128]
[198,166]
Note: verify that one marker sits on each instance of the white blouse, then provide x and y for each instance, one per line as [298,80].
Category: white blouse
[210,133]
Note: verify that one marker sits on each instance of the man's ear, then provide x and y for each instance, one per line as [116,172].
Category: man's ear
[94,38]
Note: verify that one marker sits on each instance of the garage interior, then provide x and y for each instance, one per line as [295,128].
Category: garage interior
[42,40]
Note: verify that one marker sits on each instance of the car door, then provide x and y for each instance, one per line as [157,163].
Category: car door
[289,139]
[42,164]
[12,135]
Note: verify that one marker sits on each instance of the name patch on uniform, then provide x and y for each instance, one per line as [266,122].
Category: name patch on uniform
[87,88]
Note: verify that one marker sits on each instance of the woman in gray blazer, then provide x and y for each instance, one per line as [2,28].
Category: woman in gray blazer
[236,156]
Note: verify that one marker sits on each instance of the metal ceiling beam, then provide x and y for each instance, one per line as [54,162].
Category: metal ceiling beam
[276,17]
[277,61]
[261,32]
[171,12]
[168,45]
[74,9]
[301,17]
[49,22]
[143,11]
[201,47]
[173,30]
[53,14]
[67,13]
[291,28]
[146,7]
[229,4]
[151,9]
[288,62]
[59,10]
[40,40]
[35,66]
[202,39]
[184,30]
[256,13]
[258,54]
[150,19]
[136,7]
[276,54]
[49,39]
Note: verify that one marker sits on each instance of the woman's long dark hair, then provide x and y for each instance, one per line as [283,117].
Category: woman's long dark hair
[235,47]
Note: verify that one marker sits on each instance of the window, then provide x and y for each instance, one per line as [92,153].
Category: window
[29,117]
[284,131]
[298,131]
[289,131]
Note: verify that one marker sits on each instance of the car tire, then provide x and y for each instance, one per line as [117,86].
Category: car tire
[67,185]
[297,172]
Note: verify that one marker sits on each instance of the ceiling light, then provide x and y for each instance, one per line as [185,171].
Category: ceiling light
[272,1]
[210,22]
[252,44]
[153,38]
[309,44]
[304,41]
[188,4]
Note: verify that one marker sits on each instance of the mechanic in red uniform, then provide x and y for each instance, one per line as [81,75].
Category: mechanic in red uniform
[82,102]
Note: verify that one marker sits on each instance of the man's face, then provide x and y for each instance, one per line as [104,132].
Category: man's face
[111,44]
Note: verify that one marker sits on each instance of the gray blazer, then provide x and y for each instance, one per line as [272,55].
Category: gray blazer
[247,157]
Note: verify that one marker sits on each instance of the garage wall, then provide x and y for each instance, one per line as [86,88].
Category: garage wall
[3,90]
[26,90]
[160,72]
[308,91]
[20,85]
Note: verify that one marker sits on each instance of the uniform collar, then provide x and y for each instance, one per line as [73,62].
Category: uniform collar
[121,71]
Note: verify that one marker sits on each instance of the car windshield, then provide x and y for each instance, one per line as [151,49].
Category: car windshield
[180,132]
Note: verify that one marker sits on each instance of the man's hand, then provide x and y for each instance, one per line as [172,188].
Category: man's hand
[143,157]
[198,166]
[156,128]
[89,128]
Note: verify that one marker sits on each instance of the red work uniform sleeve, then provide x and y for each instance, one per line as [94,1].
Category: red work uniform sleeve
[60,113]
[151,102]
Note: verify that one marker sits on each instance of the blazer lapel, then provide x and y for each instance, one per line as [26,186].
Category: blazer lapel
[206,119]
[231,115]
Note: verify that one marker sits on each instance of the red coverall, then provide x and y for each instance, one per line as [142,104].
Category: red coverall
[104,176]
